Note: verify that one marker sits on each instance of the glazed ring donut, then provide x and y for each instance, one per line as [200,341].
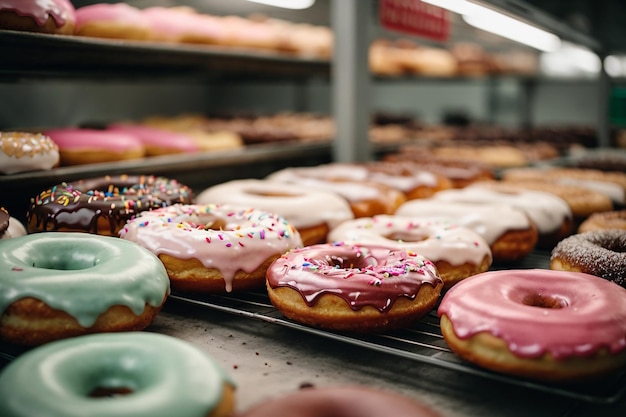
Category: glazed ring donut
[366,199]
[604,220]
[142,374]
[213,248]
[313,212]
[342,401]
[601,253]
[539,324]
[457,252]
[59,285]
[508,231]
[102,205]
[9,226]
[20,152]
[355,288]
[47,16]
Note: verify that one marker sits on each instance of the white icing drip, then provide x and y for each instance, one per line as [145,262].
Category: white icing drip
[433,238]
[301,206]
[489,221]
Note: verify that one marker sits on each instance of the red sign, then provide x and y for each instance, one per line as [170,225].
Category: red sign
[415,18]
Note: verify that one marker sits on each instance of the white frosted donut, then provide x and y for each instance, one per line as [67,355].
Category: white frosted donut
[213,248]
[546,210]
[20,152]
[458,252]
[304,208]
[500,225]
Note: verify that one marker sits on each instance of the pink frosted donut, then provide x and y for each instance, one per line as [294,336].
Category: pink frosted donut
[86,146]
[183,24]
[457,252]
[45,16]
[539,324]
[158,141]
[116,21]
[362,288]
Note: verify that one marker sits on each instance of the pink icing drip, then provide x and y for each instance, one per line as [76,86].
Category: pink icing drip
[361,275]
[40,10]
[75,139]
[156,137]
[593,316]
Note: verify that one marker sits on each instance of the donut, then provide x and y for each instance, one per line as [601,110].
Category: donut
[613,184]
[114,21]
[184,25]
[157,141]
[88,146]
[457,252]
[312,212]
[551,214]
[213,248]
[42,16]
[581,200]
[104,375]
[601,253]
[511,235]
[604,220]
[366,199]
[537,324]
[340,401]
[9,226]
[360,288]
[59,285]
[102,205]
[20,152]
[413,184]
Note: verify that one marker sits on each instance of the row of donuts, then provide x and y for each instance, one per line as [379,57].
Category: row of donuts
[152,224]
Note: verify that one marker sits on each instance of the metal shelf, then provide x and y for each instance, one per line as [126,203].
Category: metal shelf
[35,55]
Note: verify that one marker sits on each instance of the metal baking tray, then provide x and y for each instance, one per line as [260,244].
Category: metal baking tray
[423,342]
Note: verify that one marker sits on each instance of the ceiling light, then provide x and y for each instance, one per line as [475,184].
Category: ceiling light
[287,4]
[495,22]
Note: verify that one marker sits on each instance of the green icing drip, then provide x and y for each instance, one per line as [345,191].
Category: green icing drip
[81,274]
[168,377]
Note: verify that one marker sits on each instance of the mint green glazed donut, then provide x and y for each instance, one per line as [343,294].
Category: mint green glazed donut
[55,285]
[161,376]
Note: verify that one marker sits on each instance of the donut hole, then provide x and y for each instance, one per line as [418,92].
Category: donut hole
[544,301]
[406,237]
[108,392]
[63,259]
[614,245]
[348,262]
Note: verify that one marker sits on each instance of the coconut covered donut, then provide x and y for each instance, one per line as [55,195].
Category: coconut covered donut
[312,212]
[539,324]
[457,252]
[137,374]
[59,285]
[511,235]
[601,253]
[213,248]
[20,152]
[102,205]
[360,288]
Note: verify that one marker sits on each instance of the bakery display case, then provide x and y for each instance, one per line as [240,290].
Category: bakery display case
[268,354]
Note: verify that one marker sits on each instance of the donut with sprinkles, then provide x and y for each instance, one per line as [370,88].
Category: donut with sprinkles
[102,205]
[213,248]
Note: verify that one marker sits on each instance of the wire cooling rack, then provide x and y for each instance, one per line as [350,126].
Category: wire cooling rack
[423,342]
